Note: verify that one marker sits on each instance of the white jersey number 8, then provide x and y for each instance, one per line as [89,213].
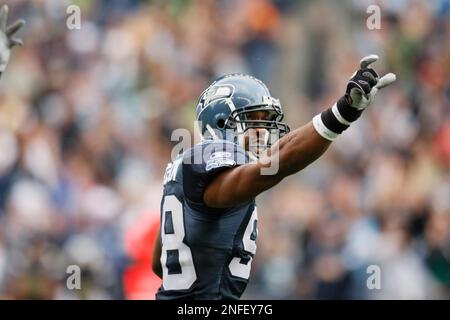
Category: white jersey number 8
[180,273]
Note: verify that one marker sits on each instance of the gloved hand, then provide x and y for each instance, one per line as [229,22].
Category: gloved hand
[365,83]
[7,39]
[361,90]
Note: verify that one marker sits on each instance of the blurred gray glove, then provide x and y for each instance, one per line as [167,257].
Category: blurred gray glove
[365,83]
[7,39]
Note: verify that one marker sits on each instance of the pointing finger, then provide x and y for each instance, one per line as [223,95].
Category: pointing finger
[386,80]
[12,29]
[15,42]
[3,17]
[367,60]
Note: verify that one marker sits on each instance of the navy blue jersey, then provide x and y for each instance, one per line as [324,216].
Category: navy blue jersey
[206,252]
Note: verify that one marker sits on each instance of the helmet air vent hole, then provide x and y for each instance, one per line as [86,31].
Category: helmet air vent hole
[220,123]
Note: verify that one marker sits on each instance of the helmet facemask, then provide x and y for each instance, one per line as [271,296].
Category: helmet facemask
[258,127]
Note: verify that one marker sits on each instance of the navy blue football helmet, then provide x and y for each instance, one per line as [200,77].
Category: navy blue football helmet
[225,108]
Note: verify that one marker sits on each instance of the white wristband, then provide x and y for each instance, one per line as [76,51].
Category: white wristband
[322,130]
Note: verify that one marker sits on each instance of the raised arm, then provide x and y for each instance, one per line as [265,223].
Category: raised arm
[300,147]
[296,150]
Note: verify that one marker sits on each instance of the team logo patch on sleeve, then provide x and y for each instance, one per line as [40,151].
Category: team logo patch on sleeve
[220,159]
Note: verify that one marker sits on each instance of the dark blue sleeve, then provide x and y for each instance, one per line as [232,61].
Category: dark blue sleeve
[204,162]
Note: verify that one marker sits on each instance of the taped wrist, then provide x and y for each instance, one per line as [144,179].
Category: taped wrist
[333,121]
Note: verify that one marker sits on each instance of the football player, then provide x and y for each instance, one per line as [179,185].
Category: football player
[208,226]
[7,39]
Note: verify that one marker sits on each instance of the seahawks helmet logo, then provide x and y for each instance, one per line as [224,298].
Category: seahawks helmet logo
[216,92]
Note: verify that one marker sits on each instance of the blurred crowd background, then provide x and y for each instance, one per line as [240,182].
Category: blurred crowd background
[86,118]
